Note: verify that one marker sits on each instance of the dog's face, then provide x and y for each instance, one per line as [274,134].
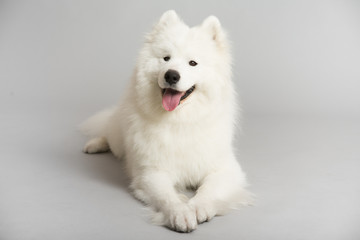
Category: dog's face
[185,64]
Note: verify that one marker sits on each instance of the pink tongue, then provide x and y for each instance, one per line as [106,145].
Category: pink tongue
[171,99]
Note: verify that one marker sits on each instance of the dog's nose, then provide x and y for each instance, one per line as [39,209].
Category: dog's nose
[172,77]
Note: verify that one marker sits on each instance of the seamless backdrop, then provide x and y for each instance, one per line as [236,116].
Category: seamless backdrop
[297,71]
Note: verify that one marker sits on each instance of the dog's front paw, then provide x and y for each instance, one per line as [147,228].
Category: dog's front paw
[204,211]
[181,218]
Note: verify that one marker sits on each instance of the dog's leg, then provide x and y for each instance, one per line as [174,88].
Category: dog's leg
[220,192]
[157,189]
[96,145]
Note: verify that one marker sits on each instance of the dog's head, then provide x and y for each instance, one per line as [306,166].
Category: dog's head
[182,66]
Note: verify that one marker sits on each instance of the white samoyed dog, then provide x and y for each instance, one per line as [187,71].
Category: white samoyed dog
[175,124]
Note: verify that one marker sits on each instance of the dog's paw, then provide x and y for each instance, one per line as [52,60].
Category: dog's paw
[96,145]
[181,218]
[204,211]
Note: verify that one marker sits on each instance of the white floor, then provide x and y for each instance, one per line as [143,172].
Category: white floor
[305,173]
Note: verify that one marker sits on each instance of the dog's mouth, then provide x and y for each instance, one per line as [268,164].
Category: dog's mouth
[172,98]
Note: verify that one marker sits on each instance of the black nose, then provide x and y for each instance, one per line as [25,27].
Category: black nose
[172,77]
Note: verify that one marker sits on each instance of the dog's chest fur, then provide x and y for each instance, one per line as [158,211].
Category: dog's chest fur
[187,151]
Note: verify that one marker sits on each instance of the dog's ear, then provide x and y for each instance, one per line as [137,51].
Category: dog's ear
[213,27]
[168,19]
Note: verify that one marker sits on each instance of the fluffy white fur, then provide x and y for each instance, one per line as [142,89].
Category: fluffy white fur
[189,147]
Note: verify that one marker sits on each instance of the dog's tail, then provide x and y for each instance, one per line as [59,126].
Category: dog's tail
[96,125]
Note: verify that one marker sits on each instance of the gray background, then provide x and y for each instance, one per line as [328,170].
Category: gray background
[296,67]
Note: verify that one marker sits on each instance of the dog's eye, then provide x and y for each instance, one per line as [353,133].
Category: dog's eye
[167,58]
[192,63]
